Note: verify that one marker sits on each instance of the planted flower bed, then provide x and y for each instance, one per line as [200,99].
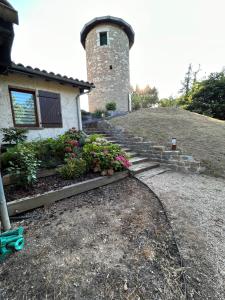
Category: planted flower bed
[81,158]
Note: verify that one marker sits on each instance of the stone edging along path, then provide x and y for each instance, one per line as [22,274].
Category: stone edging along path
[196,213]
[24,204]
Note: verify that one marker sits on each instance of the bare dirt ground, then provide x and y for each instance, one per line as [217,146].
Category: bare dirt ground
[196,208]
[110,243]
[201,136]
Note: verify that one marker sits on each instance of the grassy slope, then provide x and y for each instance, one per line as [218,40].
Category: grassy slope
[201,136]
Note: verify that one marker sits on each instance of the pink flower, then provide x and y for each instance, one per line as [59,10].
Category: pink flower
[124,162]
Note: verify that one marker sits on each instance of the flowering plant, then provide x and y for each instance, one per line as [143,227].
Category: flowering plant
[104,157]
[124,161]
[72,149]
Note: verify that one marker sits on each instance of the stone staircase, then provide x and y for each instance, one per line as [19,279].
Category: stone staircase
[145,155]
[139,163]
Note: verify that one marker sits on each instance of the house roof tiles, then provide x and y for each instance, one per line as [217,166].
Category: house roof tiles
[28,70]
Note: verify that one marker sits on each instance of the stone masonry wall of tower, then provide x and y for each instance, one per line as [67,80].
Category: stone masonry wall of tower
[108,67]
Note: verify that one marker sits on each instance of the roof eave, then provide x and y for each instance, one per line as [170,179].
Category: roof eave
[8,14]
[107,19]
[50,77]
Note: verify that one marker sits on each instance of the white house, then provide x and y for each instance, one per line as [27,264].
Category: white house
[44,103]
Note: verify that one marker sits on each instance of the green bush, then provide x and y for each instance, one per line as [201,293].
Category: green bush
[14,135]
[49,151]
[99,113]
[73,168]
[168,102]
[23,165]
[111,106]
[85,113]
[8,156]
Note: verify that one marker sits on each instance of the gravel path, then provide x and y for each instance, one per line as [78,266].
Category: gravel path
[196,208]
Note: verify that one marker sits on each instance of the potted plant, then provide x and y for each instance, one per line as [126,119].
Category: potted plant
[111,108]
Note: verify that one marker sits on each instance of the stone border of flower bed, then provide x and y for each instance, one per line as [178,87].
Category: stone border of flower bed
[24,204]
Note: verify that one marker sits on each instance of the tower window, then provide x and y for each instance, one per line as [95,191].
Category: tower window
[110,67]
[103,38]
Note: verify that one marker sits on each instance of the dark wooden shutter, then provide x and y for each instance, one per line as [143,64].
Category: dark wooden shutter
[50,107]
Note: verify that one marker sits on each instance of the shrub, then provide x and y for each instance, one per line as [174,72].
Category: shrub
[85,113]
[99,113]
[72,149]
[104,157]
[73,168]
[23,165]
[74,134]
[49,151]
[14,135]
[8,156]
[111,106]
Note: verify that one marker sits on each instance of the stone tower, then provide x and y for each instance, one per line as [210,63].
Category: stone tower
[107,41]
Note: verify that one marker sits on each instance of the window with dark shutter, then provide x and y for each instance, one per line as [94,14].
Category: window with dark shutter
[50,108]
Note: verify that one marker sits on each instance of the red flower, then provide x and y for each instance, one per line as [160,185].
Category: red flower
[73,143]
[68,149]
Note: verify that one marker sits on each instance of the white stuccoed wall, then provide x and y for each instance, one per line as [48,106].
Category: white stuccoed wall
[68,103]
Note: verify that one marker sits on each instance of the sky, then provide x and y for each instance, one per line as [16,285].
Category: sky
[169,35]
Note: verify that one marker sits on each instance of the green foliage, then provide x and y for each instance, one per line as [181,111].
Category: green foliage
[208,96]
[111,106]
[74,134]
[168,102]
[100,113]
[14,135]
[8,156]
[85,113]
[24,165]
[143,98]
[74,168]
[93,137]
[189,81]
[49,151]
[102,156]
[52,151]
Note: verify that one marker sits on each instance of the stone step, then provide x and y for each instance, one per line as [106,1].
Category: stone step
[112,141]
[131,154]
[152,173]
[142,167]
[125,149]
[137,159]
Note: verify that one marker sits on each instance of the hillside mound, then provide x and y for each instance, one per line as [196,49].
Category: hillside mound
[197,135]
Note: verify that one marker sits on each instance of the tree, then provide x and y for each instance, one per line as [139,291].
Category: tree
[208,96]
[143,98]
[168,102]
[190,79]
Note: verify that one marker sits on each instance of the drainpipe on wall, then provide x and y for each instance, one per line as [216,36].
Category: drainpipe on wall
[79,112]
[78,108]
[3,208]
[129,102]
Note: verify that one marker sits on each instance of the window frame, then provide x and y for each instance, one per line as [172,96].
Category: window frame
[22,90]
[107,38]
